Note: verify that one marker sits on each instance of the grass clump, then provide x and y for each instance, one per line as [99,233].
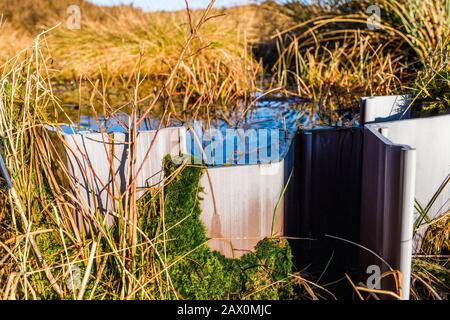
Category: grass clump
[432,86]
[334,58]
[196,271]
[431,273]
[431,270]
[114,44]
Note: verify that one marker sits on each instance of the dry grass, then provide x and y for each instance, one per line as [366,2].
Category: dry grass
[11,41]
[113,44]
[437,237]
[113,47]
[337,75]
[425,24]
[431,275]
[43,249]
[335,54]
[321,53]
[40,240]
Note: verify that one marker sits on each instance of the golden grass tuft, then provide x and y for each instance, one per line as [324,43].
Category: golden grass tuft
[437,237]
[338,74]
[217,64]
[115,43]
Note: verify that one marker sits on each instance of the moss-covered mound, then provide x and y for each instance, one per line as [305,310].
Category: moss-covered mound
[195,271]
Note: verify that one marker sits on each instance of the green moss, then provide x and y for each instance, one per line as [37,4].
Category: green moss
[199,273]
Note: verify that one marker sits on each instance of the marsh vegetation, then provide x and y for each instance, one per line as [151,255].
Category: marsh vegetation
[193,64]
